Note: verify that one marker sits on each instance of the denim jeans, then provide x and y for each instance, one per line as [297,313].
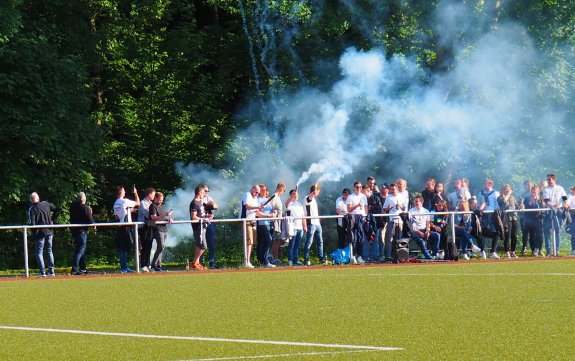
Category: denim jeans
[433,238]
[80,236]
[371,245]
[313,232]
[293,250]
[41,243]
[465,238]
[264,243]
[211,244]
[160,238]
[551,226]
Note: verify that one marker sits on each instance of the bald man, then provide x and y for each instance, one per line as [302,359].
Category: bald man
[42,212]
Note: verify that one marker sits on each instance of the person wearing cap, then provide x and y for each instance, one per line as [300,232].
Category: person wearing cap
[341,210]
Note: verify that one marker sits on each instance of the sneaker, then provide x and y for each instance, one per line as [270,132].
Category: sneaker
[307,263]
[249,265]
[494,255]
[278,262]
[158,269]
[126,270]
[573,253]
[77,273]
[514,255]
[41,274]
[298,263]
[482,255]
[144,269]
[360,260]
[51,274]
[465,257]
[198,266]
[507,254]
[213,265]
[84,271]
[475,249]
[290,263]
[353,260]
[523,251]
[325,262]
[269,265]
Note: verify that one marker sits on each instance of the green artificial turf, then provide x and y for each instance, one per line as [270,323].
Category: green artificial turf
[522,310]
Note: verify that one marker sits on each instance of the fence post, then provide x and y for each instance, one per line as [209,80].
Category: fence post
[26,269]
[244,234]
[452,223]
[137,246]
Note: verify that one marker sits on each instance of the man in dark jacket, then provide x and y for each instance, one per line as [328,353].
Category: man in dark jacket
[43,213]
[80,213]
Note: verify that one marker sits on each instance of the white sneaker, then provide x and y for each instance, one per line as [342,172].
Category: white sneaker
[249,265]
[307,263]
[145,269]
[353,260]
[507,254]
[269,265]
[475,249]
[482,255]
[360,260]
[290,263]
[494,255]
[465,257]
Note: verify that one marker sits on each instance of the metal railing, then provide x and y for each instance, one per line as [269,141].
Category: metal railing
[244,222]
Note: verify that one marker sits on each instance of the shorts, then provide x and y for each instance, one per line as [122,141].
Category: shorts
[200,237]
[251,236]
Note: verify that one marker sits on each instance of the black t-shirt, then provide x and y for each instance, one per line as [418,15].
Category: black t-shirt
[158,210]
[198,207]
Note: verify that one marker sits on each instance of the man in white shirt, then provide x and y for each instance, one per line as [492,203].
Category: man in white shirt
[341,210]
[554,197]
[394,204]
[313,226]
[357,202]
[249,205]
[123,213]
[296,210]
[420,225]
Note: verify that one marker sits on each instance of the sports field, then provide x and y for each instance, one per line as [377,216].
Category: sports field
[518,310]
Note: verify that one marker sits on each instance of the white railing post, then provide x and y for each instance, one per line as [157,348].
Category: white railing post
[26,269]
[452,223]
[245,235]
[137,246]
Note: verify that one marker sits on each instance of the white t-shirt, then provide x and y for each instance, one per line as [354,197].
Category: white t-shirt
[354,199]
[122,208]
[418,221]
[571,201]
[143,211]
[342,208]
[312,211]
[251,201]
[296,211]
[393,201]
[554,193]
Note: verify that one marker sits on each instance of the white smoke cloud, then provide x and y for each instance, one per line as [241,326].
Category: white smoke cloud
[381,115]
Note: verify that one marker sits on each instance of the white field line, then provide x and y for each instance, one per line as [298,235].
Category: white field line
[455,274]
[208,339]
[274,356]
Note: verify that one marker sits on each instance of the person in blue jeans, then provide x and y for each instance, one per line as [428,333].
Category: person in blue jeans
[420,224]
[295,209]
[80,213]
[38,214]
[313,226]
